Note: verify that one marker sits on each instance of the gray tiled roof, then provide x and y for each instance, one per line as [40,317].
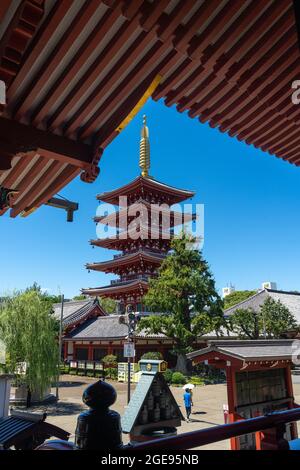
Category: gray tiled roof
[136,402]
[76,310]
[290,299]
[107,327]
[100,327]
[250,350]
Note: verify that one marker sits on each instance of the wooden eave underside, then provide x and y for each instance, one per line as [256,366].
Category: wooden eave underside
[140,257]
[128,288]
[77,70]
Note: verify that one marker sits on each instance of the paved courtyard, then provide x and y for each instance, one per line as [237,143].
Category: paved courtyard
[207,411]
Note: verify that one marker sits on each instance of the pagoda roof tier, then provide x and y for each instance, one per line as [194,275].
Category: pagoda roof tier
[121,240]
[116,218]
[140,257]
[142,186]
[139,286]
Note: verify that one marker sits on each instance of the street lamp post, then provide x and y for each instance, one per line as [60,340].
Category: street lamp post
[60,344]
[130,319]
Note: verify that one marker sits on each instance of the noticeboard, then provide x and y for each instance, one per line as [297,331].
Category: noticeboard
[129,350]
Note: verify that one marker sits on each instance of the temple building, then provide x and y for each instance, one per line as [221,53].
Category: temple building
[144,226]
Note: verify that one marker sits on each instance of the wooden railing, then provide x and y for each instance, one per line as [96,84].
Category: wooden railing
[275,423]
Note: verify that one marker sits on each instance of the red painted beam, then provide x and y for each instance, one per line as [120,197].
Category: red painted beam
[48,28]
[29,198]
[67,175]
[122,35]
[98,34]
[137,74]
[4,6]
[23,138]
[54,61]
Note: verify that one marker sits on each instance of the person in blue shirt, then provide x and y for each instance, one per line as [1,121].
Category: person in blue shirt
[187,398]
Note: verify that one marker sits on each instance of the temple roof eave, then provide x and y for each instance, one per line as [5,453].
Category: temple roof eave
[115,289]
[145,183]
[146,233]
[127,260]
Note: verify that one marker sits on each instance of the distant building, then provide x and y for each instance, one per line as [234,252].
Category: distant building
[228,290]
[291,300]
[269,285]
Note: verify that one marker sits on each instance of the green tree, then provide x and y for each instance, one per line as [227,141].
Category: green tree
[272,320]
[30,335]
[109,305]
[185,292]
[236,297]
[156,355]
[277,318]
[245,323]
[79,297]
[44,296]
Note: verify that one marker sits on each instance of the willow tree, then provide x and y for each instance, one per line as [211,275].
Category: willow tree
[29,332]
[185,292]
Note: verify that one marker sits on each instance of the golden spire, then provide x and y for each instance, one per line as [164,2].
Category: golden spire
[144,150]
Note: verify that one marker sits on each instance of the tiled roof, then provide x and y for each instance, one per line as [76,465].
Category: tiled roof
[136,403]
[291,300]
[75,311]
[250,350]
[107,327]
[145,184]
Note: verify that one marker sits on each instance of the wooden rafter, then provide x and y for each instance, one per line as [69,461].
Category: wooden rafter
[20,138]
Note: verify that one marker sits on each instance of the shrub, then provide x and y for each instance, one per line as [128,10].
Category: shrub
[109,359]
[155,355]
[111,373]
[168,375]
[197,380]
[178,378]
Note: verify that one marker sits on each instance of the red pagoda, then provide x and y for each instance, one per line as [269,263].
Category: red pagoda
[144,226]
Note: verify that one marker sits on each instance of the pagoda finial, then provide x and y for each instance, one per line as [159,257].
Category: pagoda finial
[144,150]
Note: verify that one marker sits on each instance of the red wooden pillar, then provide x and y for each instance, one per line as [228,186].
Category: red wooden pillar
[65,348]
[290,393]
[90,352]
[110,349]
[232,401]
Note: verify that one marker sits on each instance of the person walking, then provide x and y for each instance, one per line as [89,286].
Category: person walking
[187,398]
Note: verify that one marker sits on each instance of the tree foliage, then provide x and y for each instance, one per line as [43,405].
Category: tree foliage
[109,305]
[79,297]
[272,320]
[185,292]
[236,297]
[156,355]
[29,332]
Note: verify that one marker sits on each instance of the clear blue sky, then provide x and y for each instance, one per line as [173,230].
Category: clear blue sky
[251,202]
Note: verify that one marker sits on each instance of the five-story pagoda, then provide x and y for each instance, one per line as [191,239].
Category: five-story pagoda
[144,227]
